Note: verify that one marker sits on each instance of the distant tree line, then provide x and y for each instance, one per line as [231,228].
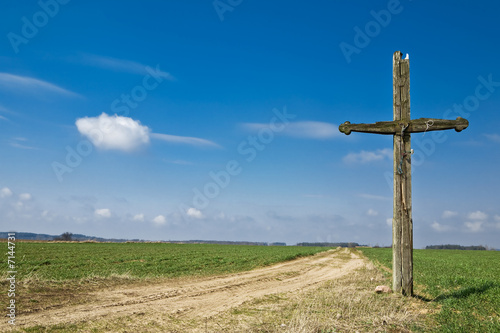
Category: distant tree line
[329,244]
[67,236]
[455,247]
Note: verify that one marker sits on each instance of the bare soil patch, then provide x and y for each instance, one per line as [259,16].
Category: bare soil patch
[218,303]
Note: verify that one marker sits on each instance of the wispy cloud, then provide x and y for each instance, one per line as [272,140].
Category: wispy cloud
[16,143]
[315,196]
[368,156]
[31,85]
[7,111]
[493,137]
[178,162]
[301,129]
[441,227]
[449,214]
[121,65]
[374,197]
[371,212]
[25,196]
[185,140]
[3,118]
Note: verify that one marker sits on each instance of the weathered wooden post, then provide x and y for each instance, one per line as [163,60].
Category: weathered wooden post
[402,229]
[401,127]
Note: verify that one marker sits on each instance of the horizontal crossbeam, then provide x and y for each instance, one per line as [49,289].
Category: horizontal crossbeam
[412,126]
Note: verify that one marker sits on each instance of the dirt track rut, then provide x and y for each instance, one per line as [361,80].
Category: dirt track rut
[201,297]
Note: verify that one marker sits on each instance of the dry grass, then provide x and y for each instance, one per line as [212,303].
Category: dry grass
[348,304]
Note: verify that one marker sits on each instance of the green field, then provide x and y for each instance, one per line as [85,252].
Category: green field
[465,285]
[462,286]
[75,261]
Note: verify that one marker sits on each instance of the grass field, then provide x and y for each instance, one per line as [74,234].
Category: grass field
[465,285]
[50,272]
[73,261]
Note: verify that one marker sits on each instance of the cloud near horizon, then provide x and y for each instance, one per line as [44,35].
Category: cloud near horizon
[126,134]
[478,215]
[104,212]
[160,220]
[5,192]
[449,214]
[368,156]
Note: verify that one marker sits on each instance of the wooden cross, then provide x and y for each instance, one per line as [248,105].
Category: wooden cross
[401,127]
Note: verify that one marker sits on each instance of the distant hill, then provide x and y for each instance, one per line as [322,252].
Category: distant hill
[75,237]
[81,238]
[455,247]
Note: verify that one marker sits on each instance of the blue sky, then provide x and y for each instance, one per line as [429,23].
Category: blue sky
[219,119]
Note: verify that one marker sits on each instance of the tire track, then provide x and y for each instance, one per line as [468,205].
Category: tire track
[200,297]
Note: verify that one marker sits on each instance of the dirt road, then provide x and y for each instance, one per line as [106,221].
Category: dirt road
[200,297]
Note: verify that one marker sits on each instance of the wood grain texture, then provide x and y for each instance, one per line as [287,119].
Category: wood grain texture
[401,128]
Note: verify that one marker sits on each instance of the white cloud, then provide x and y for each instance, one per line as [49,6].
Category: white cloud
[478,215]
[441,227]
[24,196]
[28,84]
[3,118]
[103,212]
[122,65]
[5,192]
[371,212]
[185,140]
[160,220]
[449,214]
[474,226]
[389,222]
[138,217]
[126,134]
[193,212]
[301,129]
[493,137]
[114,132]
[374,197]
[368,156]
